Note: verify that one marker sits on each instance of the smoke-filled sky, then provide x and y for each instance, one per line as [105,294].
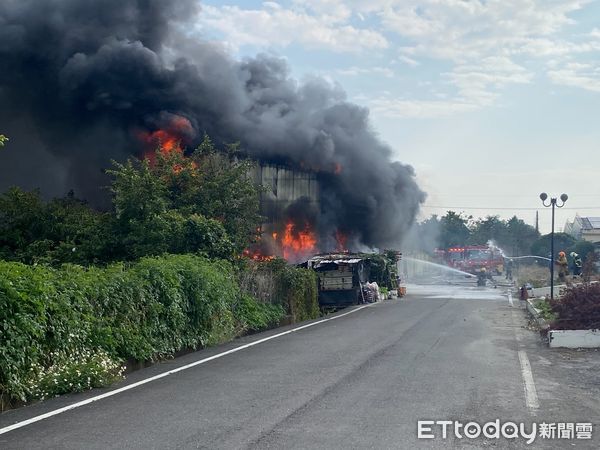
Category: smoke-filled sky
[85,82]
[492,101]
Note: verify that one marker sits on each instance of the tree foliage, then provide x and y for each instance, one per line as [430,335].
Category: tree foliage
[453,230]
[203,203]
[514,236]
[60,321]
[62,230]
[562,242]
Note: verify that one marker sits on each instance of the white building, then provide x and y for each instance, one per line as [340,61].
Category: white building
[586,228]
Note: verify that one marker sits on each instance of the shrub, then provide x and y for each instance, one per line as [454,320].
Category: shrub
[578,308]
[68,329]
[75,372]
[295,290]
[253,315]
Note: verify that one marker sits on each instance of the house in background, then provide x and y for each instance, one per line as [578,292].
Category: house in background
[586,228]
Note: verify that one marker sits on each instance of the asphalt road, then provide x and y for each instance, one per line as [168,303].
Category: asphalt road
[362,380]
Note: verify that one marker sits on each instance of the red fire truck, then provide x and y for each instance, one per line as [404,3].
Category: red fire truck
[472,258]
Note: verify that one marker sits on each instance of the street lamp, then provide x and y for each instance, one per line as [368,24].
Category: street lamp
[553,203]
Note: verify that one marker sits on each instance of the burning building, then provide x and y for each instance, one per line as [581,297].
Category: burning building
[290,204]
[84,83]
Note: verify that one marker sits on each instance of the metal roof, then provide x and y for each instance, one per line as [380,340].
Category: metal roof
[319,260]
[590,223]
[594,222]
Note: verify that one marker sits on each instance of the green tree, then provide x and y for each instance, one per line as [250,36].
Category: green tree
[178,204]
[562,242]
[62,230]
[453,230]
[21,222]
[583,249]
[205,203]
[520,237]
[3,139]
[490,228]
[140,207]
[214,184]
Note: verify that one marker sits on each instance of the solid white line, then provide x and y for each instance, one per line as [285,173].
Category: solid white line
[510,299]
[170,372]
[531,397]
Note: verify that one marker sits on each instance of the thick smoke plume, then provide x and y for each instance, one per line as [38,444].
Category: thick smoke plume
[82,81]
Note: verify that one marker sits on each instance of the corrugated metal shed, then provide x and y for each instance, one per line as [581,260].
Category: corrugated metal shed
[283,187]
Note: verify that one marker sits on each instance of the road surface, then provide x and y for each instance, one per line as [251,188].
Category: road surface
[361,380]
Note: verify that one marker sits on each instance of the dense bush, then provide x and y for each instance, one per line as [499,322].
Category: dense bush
[83,323]
[202,203]
[578,308]
[275,281]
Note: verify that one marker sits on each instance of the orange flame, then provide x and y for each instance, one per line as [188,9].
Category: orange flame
[256,255]
[297,244]
[169,137]
[168,142]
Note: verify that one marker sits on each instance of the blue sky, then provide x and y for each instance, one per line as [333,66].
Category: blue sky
[492,101]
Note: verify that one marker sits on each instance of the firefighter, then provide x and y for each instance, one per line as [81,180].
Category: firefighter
[508,269]
[563,266]
[576,264]
[481,277]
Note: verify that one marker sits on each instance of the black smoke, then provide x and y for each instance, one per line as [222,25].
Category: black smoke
[80,80]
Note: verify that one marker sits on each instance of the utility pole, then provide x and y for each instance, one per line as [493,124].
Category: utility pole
[537,222]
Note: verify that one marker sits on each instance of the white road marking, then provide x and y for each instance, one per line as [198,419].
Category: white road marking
[510,299]
[531,397]
[170,372]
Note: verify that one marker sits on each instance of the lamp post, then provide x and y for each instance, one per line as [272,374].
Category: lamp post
[553,203]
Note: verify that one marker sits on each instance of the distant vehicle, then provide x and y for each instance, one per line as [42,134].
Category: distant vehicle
[472,258]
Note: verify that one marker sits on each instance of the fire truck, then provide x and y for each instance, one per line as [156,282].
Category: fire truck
[472,258]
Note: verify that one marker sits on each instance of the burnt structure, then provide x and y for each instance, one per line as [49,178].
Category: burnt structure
[341,277]
[283,188]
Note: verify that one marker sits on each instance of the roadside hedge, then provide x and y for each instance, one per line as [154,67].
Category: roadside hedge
[275,281]
[71,328]
[577,309]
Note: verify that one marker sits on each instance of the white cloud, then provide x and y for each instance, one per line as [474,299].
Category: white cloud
[479,82]
[333,10]
[459,30]
[477,85]
[276,26]
[356,71]
[583,76]
[386,106]
[409,61]
[488,45]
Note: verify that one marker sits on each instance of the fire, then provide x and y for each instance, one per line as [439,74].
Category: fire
[293,242]
[162,139]
[298,243]
[256,255]
[169,138]
[168,142]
